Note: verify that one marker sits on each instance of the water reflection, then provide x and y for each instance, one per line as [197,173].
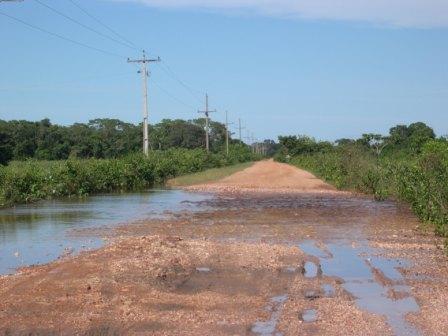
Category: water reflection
[356,267]
[38,233]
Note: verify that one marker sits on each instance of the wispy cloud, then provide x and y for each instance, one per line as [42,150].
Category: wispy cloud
[402,13]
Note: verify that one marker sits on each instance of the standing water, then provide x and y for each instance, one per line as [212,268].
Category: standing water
[40,233]
[359,268]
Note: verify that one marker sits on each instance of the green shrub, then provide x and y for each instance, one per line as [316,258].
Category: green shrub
[421,180]
[29,181]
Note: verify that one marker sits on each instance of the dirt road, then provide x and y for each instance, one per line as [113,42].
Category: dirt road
[269,176]
[275,252]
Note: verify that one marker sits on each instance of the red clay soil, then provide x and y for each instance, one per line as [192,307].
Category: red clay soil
[269,176]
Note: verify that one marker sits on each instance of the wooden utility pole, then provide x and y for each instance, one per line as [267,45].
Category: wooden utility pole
[145,74]
[254,145]
[249,140]
[227,133]
[207,123]
[240,128]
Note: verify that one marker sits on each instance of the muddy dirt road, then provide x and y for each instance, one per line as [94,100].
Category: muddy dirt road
[274,252]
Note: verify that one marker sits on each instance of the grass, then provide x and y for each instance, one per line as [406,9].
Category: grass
[207,176]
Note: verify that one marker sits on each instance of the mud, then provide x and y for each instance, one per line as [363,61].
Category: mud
[241,269]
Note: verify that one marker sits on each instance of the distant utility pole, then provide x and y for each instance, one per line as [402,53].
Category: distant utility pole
[240,128]
[254,145]
[207,123]
[248,139]
[227,133]
[145,74]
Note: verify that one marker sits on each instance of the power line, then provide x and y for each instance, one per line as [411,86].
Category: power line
[67,39]
[101,23]
[62,84]
[240,128]
[172,96]
[58,12]
[171,73]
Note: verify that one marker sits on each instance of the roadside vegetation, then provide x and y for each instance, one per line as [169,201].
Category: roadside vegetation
[30,181]
[410,164]
[207,176]
[51,161]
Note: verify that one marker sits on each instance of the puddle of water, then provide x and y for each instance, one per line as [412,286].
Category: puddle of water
[311,248]
[389,267]
[354,265]
[39,233]
[401,288]
[309,316]
[311,269]
[268,328]
[328,290]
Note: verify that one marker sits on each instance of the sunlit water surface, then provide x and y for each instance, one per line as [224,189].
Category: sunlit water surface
[42,232]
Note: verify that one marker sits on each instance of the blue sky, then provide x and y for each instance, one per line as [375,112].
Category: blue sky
[283,67]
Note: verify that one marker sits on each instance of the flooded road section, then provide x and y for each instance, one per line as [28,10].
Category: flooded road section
[42,232]
[241,264]
[339,256]
[375,282]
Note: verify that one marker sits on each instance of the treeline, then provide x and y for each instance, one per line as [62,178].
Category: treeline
[100,138]
[408,164]
[402,140]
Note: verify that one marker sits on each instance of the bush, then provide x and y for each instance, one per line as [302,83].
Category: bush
[421,181]
[23,182]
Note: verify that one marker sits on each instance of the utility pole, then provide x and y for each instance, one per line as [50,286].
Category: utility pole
[240,128]
[248,139]
[227,133]
[207,123]
[145,74]
[254,145]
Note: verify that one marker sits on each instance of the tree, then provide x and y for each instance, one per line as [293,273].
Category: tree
[376,142]
[23,138]
[177,134]
[271,147]
[52,142]
[419,134]
[81,136]
[217,135]
[399,134]
[113,138]
[296,145]
[6,149]
[411,138]
[344,142]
